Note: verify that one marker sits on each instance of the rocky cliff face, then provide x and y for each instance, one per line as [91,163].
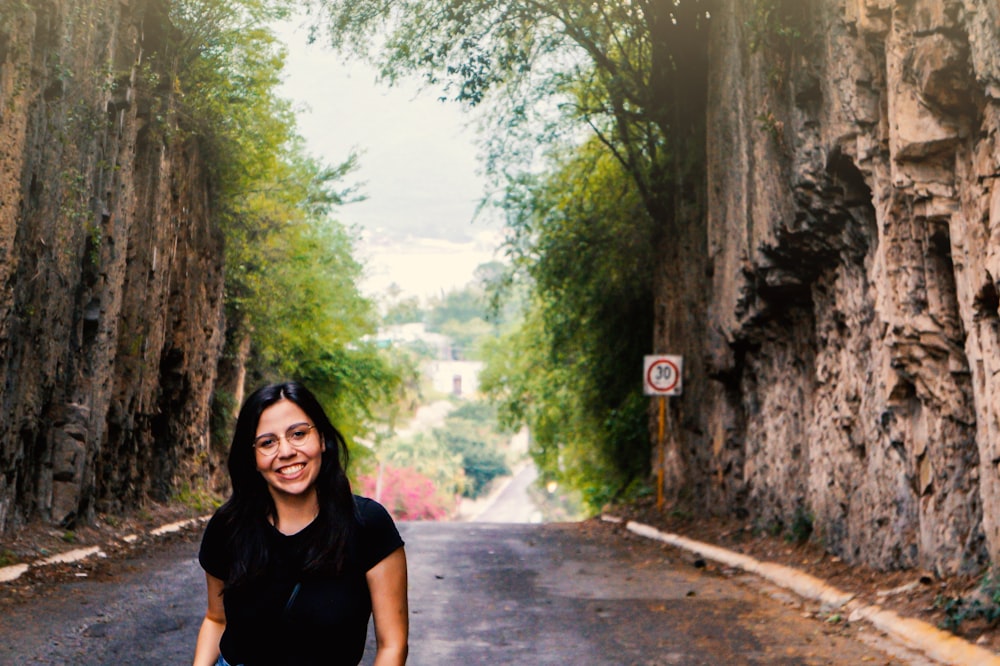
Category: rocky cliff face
[111,318]
[854,249]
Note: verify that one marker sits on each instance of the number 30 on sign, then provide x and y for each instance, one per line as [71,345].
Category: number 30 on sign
[662,375]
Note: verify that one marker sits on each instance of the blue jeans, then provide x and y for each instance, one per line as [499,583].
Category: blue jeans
[222,662]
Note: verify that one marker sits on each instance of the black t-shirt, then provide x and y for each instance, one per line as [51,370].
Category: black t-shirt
[326,621]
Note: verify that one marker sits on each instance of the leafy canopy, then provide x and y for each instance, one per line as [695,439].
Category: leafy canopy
[580,235]
[291,275]
[594,143]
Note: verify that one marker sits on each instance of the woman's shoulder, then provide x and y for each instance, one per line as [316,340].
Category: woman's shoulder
[378,535]
[215,552]
[369,509]
[220,518]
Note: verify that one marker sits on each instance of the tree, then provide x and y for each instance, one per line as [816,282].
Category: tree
[403,311]
[470,432]
[583,241]
[574,83]
[632,72]
[291,275]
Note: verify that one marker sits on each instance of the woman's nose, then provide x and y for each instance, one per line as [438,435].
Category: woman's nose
[285,448]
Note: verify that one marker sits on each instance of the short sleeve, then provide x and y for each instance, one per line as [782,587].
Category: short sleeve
[214,556]
[378,536]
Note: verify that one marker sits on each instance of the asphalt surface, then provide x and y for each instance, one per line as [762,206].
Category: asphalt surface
[592,594]
[481,593]
[143,610]
[513,503]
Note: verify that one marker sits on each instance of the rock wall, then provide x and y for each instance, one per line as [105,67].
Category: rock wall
[854,254]
[111,319]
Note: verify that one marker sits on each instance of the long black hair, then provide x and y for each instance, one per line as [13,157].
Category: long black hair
[251,506]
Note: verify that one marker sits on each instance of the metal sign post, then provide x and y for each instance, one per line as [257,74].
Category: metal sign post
[662,377]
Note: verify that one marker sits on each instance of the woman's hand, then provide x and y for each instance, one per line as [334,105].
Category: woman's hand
[390,609]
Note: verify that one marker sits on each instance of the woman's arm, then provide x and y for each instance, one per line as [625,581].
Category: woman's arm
[390,609]
[206,651]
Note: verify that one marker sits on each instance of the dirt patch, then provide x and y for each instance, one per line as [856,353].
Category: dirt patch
[915,594]
[117,537]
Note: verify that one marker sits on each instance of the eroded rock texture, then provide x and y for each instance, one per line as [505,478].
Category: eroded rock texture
[110,265]
[854,243]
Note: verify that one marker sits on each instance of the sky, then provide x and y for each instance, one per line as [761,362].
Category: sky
[417,165]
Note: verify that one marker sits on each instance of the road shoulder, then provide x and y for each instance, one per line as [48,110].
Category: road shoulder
[904,605]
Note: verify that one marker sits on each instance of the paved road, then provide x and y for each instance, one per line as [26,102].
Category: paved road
[495,594]
[513,504]
[144,610]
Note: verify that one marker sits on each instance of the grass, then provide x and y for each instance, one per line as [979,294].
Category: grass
[199,500]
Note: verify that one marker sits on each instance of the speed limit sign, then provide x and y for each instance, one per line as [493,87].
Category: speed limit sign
[662,375]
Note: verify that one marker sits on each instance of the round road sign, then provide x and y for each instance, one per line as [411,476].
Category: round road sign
[663,375]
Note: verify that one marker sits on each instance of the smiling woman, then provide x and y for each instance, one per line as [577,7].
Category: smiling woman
[294,547]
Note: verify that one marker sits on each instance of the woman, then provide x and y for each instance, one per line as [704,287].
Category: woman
[295,563]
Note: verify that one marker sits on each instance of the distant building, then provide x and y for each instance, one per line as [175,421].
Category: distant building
[450,376]
[458,378]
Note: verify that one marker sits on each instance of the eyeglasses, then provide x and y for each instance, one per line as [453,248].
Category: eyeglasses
[297,435]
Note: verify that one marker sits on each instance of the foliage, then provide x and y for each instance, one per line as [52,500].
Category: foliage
[429,456]
[582,236]
[774,23]
[406,494]
[460,458]
[291,276]
[200,500]
[776,26]
[623,70]
[556,503]
[595,143]
[296,288]
[470,432]
[404,311]
[984,606]
[467,337]
[802,526]
[458,305]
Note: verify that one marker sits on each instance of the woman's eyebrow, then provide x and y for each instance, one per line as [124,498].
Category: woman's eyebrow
[294,425]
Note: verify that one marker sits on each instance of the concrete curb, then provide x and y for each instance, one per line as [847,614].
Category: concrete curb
[15,571]
[917,634]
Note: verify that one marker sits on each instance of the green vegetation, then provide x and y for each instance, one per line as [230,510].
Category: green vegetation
[470,433]
[595,146]
[587,255]
[461,458]
[801,528]
[291,275]
[775,24]
[984,605]
[401,311]
[461,314]
[464,315]
[776,27]
[200,500]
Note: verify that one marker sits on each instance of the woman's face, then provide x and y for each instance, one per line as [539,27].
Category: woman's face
[292,466]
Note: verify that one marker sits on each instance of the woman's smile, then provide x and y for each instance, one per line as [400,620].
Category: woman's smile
[291,470]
